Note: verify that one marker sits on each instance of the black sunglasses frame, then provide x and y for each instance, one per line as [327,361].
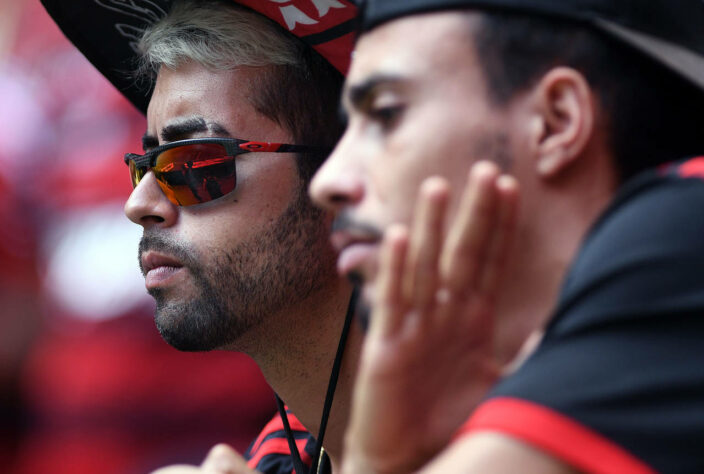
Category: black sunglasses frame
[233,147]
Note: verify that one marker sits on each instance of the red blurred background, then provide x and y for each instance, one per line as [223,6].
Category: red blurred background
[86,383]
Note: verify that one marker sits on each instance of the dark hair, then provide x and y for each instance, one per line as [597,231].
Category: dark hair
[303,100]
[651,112]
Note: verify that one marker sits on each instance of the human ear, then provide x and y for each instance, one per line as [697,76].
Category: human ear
[564,120]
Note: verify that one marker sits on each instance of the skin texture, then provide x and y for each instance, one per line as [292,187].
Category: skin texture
[418,107]
[391,145]
[254,269]
[427,295]
[238,251]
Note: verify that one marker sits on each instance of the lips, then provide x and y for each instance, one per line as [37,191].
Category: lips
[357,253]
[159,268]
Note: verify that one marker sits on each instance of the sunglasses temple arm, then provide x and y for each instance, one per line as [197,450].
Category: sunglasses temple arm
[303,149]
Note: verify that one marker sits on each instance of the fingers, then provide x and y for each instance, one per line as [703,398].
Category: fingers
[178,469]
[222,459]
[408,272]
[502,237]
[462,258]
[390,305]
[421,275]
[425,269]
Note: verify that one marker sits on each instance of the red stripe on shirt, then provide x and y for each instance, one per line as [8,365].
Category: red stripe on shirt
[279,446]
[276,424]
[554,433]
[693,168]
[272,446]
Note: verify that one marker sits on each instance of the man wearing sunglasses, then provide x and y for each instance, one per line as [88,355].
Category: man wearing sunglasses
[234,253]
[593,107]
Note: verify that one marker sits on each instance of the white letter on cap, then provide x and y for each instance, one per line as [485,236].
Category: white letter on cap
[324,6]
[293,15]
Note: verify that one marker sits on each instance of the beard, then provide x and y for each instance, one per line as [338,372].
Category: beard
[243,285]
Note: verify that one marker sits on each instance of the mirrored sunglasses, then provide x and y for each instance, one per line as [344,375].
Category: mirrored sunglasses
[201,169]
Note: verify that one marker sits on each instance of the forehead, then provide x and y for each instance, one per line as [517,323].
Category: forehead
[434,45]
[223,97]
[191,85]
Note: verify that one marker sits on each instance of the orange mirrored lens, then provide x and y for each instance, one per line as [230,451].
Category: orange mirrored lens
[136,174]
[191,174]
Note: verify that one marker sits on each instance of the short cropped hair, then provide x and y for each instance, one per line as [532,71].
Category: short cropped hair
[650,112]
[299,90]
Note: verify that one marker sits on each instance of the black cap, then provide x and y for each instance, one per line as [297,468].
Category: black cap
[671,32]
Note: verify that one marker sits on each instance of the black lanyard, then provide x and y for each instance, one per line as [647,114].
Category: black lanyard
[329,396]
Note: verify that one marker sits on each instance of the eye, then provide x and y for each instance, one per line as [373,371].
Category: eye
[387,116]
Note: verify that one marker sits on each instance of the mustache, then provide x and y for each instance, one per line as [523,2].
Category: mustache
[345,222]
[162,244]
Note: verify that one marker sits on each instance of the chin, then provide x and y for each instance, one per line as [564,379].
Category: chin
[190,327]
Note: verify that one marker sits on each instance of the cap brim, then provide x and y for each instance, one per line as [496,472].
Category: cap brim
[688,63]
[684,62]
[107,32]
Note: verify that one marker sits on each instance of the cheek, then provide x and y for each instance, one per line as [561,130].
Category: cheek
[224,225]
[433,139]
[396,181]
[400,173]
[266,183]
[208,234]
[260,199]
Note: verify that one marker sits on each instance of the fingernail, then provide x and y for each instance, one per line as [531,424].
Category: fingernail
[506,182]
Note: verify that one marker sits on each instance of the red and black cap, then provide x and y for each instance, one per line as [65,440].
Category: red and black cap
[107,31]
[671,32]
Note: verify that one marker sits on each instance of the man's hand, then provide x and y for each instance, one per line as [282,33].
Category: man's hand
[220,460]
[428,356]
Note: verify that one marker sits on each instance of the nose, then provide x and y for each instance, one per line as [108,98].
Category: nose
[339,182]
[148,206]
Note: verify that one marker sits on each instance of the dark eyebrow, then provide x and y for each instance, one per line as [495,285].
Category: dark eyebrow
[183,130]
[149,141]
[360,93]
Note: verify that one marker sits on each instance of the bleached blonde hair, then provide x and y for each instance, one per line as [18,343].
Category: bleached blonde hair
[217,36]
[299,90]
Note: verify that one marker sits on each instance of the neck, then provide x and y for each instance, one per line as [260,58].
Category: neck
[296,356]
[548,240]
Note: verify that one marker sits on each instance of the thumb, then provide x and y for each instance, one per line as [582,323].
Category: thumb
[222,459]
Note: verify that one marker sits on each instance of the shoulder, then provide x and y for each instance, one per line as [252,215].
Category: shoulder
[621,360]
[513,434]
[647,246]
[653,215]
